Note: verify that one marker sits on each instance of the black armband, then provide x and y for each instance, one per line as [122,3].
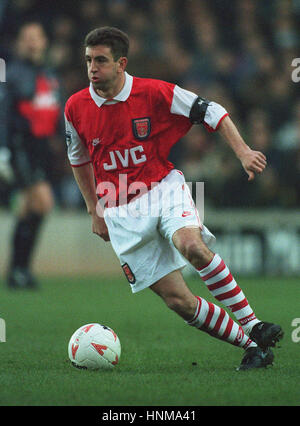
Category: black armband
[198,110]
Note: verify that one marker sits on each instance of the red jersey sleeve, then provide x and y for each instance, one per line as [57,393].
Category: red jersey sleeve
[77,152]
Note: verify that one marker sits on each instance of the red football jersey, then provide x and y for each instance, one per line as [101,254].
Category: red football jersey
[43,111]
[128,138]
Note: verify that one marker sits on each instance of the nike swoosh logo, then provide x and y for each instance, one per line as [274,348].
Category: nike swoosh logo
[184,214]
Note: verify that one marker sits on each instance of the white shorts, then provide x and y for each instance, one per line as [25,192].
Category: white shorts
[141,231]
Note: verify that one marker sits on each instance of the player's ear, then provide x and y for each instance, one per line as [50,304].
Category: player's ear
[122,63]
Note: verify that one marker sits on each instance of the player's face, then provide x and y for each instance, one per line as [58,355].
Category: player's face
[32,42]
[103,71]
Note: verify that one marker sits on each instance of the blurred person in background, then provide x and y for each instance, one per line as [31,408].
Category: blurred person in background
[30,115]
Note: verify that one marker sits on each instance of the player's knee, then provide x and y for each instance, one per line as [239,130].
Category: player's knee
[196,253]
[47,205]
[42,204]
[43,208]
[39,198]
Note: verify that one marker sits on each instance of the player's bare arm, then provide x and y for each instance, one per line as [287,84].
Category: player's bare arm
[84,177]
[252,161]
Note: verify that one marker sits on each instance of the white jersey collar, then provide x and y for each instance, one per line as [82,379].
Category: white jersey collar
[122,96]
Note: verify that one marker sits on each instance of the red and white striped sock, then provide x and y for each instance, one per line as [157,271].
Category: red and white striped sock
[215,321]
[224,288]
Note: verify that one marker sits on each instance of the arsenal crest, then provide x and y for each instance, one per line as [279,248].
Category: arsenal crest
[128,273]
[141,128]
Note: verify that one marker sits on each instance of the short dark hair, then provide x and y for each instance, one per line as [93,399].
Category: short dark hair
[112,37]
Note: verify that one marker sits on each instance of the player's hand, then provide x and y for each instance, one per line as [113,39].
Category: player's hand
[6,171]
[253,162]
[99,227]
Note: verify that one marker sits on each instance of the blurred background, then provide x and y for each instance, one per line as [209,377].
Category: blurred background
[235,52]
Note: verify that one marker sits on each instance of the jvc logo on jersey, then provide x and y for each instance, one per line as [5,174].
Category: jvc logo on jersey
[125,157]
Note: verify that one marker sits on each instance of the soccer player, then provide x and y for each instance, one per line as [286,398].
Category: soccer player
[30,114]
[119,133]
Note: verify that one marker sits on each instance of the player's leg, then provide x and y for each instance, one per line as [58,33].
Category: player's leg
[176,294]
[220,282]
[149,259]
[199,313]
[180,224]
[214,273]
[208,317]
[37,201]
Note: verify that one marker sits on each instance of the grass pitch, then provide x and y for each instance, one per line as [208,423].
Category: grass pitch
[163,362]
